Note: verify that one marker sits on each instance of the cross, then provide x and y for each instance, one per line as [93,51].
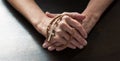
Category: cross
[51,33]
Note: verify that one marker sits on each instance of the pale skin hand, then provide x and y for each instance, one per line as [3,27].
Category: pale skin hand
[62,36]
[93,13]
[36,16]
[40,21]
[77,41]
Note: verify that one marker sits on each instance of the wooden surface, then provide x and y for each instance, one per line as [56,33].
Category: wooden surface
[19,41]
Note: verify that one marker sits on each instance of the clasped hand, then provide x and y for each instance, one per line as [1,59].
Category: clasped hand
[69,33]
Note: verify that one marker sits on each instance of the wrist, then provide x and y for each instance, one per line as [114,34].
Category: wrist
[92,15]
[42,24]
[90,20]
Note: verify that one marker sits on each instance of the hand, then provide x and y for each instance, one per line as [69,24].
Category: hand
[77,41]
[42,25]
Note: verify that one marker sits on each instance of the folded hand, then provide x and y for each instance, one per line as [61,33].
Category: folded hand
[70,26]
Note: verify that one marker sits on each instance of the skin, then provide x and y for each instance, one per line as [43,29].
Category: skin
[40,21]
[77,41]
[92,13]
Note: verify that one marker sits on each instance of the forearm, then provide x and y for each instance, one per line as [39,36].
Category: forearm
[29,9]
[93,12]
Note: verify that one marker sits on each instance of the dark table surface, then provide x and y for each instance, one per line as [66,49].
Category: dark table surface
[19,41]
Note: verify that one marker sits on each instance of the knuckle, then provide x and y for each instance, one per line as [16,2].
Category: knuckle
[65,12]
[62,25]
[65,17]
[37,26]
[56,38]
[58,32]
[53,40]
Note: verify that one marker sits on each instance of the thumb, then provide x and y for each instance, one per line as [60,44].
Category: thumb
[46,44]
[51,15]
[80,16]
[77,16]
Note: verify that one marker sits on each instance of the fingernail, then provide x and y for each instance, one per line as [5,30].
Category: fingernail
[46,11]
[80,47]
[85,42]
[44,45]
[50,48]
[58,50]
[74,47]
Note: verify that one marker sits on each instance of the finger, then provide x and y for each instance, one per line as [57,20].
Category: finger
[64,47]
[58,44]
[63,34]
[79,38]
[77,26]
[60,48]
[75,43]
[51,15]
[64,26]
[46,44]
[53,40]
[51,48]
[57,39]
[68,29]
[70,45]
[75,15]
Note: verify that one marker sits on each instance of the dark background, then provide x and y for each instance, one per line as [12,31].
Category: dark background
[103,40]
